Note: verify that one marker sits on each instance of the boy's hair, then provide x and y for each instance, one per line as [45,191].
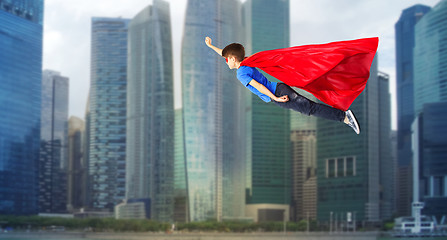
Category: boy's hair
[234,49]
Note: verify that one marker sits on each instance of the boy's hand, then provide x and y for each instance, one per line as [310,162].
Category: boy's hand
[284,98]
[208,41]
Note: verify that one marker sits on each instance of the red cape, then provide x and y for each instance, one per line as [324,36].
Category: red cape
[336,73]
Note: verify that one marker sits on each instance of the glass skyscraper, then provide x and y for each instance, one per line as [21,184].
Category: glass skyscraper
[430,93]
[53,163]
[107,154]
[76,165]
[212,112]
[430,58]
[304,163]
[405,38]
[348,164]
[150,111]
[431,128]
[180,188]
[20,104]
[267,126]
[386,160]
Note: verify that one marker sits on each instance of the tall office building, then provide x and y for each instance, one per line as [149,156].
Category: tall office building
[20,100]
[396,172]
[405,39]
[387,170]
[86,155]
[181,208]
[212,112]
[429,146]
[348,164]
[53,163]
[304,163]
[77,167]
[107,154]
[430,90]
[430,58]
[303,173]
[150,111]
[267,127]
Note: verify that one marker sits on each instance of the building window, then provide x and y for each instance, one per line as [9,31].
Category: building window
[350,166]
[340,167]
[330,168]
[438,186]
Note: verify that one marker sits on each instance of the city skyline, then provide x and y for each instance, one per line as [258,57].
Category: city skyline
[66,34]
[213,115]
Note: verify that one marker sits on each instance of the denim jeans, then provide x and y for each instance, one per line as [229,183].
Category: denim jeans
[305,106]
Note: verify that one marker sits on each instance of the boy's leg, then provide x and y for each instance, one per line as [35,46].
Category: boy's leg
[303,105]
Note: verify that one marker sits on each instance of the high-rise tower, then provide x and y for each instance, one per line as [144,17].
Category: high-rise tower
[405,39]
[266,25]
[20,104]
[53,163]
[150,111]
[212,112]
[107,122]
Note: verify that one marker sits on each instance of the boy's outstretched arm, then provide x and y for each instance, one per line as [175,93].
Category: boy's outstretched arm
[208,43]
[261,88]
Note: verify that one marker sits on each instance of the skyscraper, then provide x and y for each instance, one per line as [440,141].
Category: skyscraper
[86,146]
[20,100]
[303,138]
[107,154]
[430,58]
[303,173]
[430,128]
[212,112]
[76,165]
[348,164]
[181,208]
[267,126]
[405,38]
[430,90]
[150,111]
[387,170]
[53,163]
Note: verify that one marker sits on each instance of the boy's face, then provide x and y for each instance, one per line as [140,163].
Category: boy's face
[231,62]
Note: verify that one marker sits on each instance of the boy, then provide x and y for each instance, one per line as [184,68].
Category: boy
[282,94]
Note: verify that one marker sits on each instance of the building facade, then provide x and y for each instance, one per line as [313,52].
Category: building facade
[303,138]
[150,111]
[107,153]
[181,207]
[266,25]
[430,56]
[20,104]
[431,129]
[53,162]
[304,163]
[405,39]
[77,168]
[387,164]
[348,164]
[430,90]
[212,112]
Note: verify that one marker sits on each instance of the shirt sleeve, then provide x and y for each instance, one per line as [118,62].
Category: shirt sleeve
[245,76]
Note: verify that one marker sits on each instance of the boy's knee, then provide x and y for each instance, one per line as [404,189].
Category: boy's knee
[293,96]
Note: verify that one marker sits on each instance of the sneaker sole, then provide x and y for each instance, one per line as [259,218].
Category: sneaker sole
[355,121]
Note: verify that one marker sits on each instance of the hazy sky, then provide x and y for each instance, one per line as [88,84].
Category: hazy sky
[67,26]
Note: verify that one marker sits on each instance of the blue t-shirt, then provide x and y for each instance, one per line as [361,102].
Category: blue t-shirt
[246,74]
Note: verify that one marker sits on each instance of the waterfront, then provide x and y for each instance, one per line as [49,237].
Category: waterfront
[202,236]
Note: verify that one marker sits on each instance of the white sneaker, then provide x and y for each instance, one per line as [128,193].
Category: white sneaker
[352,121]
